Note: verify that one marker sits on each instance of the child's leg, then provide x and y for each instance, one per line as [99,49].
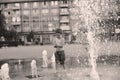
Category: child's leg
[58,58]
[63,65]
[62,59]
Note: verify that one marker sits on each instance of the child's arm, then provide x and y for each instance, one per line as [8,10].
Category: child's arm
[63,41]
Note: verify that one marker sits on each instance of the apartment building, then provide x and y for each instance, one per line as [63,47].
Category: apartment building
[39,16]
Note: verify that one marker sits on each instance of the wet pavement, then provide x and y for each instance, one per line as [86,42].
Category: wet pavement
[76,69]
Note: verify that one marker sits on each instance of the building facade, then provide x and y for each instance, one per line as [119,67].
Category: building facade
[39,16]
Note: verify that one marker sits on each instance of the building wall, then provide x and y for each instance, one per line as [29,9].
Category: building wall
[38,16]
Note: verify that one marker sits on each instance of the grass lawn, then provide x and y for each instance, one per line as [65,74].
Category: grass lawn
[70,50]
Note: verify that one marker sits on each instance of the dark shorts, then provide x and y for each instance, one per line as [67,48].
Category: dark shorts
[60,57]
[58,46]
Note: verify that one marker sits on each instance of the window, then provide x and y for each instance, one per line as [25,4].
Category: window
[54,11]
[26,12]
[1,6]
[65,2]
[17,5]
[25,5]
[45,26]
[16,12]
[64,17]
[44,18]
[6,20]
[55,18]
[35,13]
[26,27]
[36,26]
[41,26]
[64,10]
[6,13]
[13,19]
[65,27]
[16,19]
[45,11]
[35,5]
[5,5]
[54,3]
[44,3]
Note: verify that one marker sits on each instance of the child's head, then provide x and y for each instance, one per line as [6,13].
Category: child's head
[59,33]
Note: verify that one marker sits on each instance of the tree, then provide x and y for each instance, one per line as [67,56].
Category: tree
[30,36]
[2,24]
[10,35]
[96,13]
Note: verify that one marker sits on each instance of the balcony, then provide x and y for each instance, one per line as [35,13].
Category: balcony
[64,5]
[15,8]
[64,21]
[15,23]
[6,8]
[65,27]
[64,13]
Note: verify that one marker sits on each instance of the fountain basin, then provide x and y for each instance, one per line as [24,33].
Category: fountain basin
[75,70]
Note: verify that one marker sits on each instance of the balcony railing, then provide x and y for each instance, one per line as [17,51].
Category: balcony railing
[65,27]
[14,8]
[16,23]
[64,20]
[64,5]
[6,8]
[64,13]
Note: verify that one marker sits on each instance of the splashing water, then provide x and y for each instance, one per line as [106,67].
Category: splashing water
[90,10]
[34,69]
[5,72]
[93,55]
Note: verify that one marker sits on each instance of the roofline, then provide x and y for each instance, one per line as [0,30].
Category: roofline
[20,1]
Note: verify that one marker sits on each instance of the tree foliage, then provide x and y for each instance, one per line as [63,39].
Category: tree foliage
[11,35]
[2,25]
[8,34]
[30,36]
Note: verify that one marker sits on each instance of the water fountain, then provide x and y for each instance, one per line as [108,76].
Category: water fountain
[5,72]
[19,62]
[44,59]
[34,69]
[93,56]
[53,63]
[90,13]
